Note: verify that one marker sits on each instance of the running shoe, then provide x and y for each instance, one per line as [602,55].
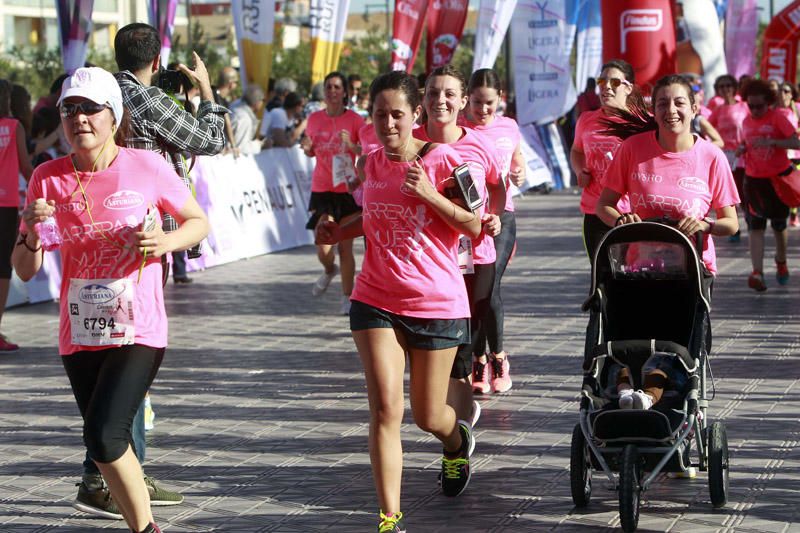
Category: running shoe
[476,414]
[6,346]
[455,470]
[481,377]
[690,473]
[345,306]
[736,237]
[94,498]
[322,283]
[501,382]
[391,523]
[756,281]
[782,272]
[151,528]
[161,497]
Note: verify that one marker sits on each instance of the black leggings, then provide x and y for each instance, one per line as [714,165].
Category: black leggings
[109,385]
[504,246]
[479,291]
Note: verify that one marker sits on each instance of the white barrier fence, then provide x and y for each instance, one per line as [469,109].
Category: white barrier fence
[255,205]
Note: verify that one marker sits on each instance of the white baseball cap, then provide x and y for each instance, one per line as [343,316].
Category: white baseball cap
[97,85]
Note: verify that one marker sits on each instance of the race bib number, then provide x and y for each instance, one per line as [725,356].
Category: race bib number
[101,311]
[465,262]
[343,170]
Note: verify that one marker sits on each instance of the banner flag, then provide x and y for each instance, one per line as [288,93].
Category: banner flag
[162,17]
[642,33]
[589,44]
[254,22]
[409,16]
[328,20]
[779,52]
[446,19]
[702,50]
[489,37]
[74,28]
[741,28]
[542,35]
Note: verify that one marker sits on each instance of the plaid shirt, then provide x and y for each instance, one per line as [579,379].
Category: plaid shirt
[161,125]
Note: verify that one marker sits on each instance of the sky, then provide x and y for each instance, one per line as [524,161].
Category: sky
[357,6]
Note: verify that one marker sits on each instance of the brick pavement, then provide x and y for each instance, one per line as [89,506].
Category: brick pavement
[261,415]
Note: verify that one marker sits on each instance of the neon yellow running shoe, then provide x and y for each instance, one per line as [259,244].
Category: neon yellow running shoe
[391,523]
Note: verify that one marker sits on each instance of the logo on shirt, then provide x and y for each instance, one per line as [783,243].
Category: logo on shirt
[693,184]
[123,200]
[96,294]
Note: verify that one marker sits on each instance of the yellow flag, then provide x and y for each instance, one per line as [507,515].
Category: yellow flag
[328,22]
[254,22]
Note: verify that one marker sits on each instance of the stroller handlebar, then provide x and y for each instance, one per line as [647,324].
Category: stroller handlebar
[697,238]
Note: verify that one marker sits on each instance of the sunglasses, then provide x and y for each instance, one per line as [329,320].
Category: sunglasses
[614,82]
[69,109]
[754,107]
[786,90]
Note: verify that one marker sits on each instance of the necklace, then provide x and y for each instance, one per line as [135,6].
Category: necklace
[86,196]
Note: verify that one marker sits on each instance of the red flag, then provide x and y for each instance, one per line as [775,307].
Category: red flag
[642,32]
[779,55]
[446,20]
[407,32]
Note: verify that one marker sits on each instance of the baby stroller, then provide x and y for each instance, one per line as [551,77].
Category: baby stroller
[649,295]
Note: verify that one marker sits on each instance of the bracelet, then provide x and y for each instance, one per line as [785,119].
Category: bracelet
[23,240]
[620,218]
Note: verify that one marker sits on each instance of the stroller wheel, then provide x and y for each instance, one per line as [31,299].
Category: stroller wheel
[718,465]
[580,469]
[630,491]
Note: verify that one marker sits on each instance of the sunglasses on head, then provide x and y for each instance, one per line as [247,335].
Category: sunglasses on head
[69,109]
[614,82]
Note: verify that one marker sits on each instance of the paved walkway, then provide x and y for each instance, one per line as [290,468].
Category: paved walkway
[261,413]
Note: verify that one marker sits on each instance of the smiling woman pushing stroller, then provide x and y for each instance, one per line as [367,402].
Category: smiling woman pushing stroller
[668,172]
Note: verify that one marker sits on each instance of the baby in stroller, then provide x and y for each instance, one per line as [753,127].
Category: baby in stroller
[661,372]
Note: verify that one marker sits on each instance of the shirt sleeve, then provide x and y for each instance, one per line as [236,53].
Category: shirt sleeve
[182,131]
[578,142]
[721,183]
[172,194]
[784,126]
[614,178]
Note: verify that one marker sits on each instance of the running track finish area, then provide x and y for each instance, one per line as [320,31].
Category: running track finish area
[261,411]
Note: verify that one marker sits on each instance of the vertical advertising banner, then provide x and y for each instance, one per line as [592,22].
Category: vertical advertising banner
[589,44]
[446,19]
[741,28]
[74,28]
[542,34]
[254,22]
[779,52]
[494,17]
[641,32]
[162,17]
[328,20]
[409,16]
[699,46]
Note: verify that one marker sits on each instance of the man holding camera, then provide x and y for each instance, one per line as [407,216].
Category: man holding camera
[160,124]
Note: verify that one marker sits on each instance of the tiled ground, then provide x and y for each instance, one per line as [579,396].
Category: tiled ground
[261,408]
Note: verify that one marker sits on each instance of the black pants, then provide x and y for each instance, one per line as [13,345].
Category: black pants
[504,246]
[479,291]
[594,230]
[109,385]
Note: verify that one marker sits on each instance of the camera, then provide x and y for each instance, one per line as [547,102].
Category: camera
[173,81]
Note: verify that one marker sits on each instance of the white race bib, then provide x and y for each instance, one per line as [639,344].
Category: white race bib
[101,311]
[343,170]
[465,262]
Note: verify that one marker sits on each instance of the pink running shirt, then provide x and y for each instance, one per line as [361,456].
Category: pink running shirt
[9,163]
[324,133]
[503,132]
[728,119]
[368,139]
[766,161]
[477,152]
[791,116]
[118,199]
[410,264]
[673,184]
[598,151]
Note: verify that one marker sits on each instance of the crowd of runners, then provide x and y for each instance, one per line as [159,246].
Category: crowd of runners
[427,179]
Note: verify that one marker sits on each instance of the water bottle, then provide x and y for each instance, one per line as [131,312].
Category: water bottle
[48,234]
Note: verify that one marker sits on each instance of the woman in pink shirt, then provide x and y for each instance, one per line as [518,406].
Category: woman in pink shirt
[669,172]
[105,202]
[485,92]
[593,150]
[445,97]
[332,137]
[787,96]
[767,135]
[409,295]
[13,160]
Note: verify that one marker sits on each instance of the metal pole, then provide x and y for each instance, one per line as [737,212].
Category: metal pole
[189,29]
[771,9]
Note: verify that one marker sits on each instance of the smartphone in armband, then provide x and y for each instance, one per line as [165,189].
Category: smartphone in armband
[466,186]
[150,220]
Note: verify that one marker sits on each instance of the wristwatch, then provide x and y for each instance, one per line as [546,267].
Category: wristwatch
[710,222]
